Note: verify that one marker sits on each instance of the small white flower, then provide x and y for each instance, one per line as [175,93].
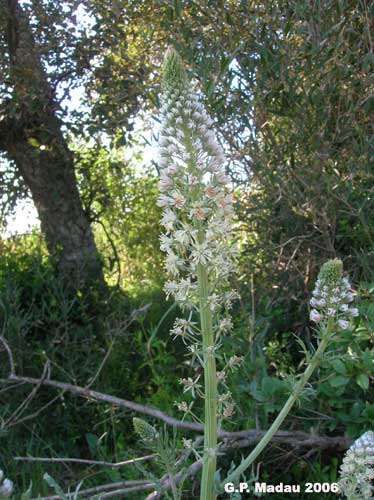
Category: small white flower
[343,324]
[200,254]
[166,243]
[224,201]
[190,384]
[331,311]
[192,180]
[214,302]
[225,325]
[183,406]
[235,361]
[221,377]
[229,410]
[178,200]
[172,169]
[222,178]
[172,148]
[170,288]
[164,182]
[6,488]
[198,213]
[315,316]
[354,311]
[314,302]
[349,297]
[211,191]
[187,443]
[182,237]
[163,200]
[172,263]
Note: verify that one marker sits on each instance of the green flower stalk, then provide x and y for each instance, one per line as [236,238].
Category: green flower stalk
[334,291]
[357,469]
[197,218]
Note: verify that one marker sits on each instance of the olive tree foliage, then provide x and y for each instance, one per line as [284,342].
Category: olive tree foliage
[291,86]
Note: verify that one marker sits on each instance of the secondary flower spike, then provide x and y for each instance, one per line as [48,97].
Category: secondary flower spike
[332,296]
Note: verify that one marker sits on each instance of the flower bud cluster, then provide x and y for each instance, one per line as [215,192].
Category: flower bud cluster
[357,469]
[6,486]
[147,433]
[332,296]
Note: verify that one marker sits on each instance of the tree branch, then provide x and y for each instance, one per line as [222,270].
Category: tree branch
[86,462]
[104,487]
[252,436]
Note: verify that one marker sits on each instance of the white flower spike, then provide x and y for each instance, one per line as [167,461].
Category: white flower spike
[332,295]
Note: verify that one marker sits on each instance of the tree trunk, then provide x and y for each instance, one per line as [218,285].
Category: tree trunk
[31,136]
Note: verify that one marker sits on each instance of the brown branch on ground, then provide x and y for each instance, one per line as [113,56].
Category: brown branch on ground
[251,436]
[86,462]
[89,492]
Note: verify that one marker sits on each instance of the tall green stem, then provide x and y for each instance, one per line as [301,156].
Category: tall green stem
[210,383]
[314,362]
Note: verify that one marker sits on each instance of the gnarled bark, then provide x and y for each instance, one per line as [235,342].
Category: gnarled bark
[31,136]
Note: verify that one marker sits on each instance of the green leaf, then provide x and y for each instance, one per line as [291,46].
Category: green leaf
[339,367]
[55,486]
[363,381]
[34,142]
[92,442]
[338,381]
[369,412]
[27,494]
[368,360]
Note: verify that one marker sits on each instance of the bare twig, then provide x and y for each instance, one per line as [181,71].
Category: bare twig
[10,356]
[37,412]
[86,462]
[103,487]
[134,314]
[12,420]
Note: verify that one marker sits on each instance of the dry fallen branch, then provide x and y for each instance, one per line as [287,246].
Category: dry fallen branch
[252,436]
[86,462]
[89,492]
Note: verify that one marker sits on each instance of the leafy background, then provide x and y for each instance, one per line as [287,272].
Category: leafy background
[289,86]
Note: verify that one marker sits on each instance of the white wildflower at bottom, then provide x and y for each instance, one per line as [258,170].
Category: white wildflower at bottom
[357,469]
[6,486]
